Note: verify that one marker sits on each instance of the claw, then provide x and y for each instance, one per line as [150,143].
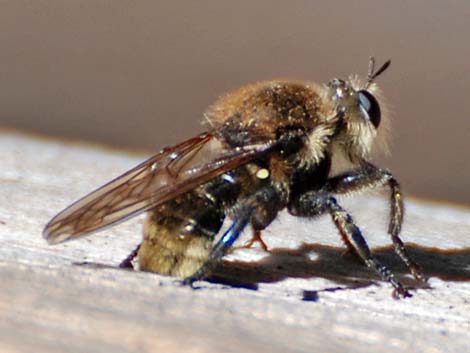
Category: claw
[401,293]
[188,281]
[256,238]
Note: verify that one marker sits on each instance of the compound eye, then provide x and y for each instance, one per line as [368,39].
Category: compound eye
[370,107]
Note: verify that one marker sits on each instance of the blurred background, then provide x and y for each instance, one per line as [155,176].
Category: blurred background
[139,74]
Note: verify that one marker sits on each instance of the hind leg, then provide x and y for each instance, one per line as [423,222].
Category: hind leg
[221,247]
[127,262]
[259,210]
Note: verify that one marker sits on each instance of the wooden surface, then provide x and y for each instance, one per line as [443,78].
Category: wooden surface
[50,304]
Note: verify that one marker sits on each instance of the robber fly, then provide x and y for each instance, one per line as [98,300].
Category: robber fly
[269,147]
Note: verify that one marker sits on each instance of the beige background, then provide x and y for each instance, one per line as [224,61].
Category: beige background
[139,74]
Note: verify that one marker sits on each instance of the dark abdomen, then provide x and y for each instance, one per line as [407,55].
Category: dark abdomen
[179,235]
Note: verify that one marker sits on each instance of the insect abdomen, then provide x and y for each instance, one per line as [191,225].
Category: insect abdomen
[178,235]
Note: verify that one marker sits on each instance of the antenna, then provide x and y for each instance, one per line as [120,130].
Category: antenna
[372,74]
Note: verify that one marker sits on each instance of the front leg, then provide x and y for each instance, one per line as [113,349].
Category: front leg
[370,177]
[313,203]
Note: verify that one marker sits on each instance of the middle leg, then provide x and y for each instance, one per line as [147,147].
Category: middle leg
[255,238]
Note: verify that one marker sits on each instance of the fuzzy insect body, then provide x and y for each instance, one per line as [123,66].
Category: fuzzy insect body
[269,146]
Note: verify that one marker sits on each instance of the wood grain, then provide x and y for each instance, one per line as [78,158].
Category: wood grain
[50,304]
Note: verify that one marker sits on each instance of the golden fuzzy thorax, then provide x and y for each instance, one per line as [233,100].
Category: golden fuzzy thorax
[263,107]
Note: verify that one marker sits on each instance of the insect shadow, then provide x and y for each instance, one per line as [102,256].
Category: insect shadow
[343,268]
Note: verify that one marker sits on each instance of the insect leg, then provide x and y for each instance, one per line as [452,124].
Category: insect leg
[370,177]
[256,238]
[315,203]
[222,246]
[127,262]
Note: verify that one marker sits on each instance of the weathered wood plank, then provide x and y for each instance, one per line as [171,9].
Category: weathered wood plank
[49,304]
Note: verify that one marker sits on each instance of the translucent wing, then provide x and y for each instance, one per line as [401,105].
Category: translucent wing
[171,172]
